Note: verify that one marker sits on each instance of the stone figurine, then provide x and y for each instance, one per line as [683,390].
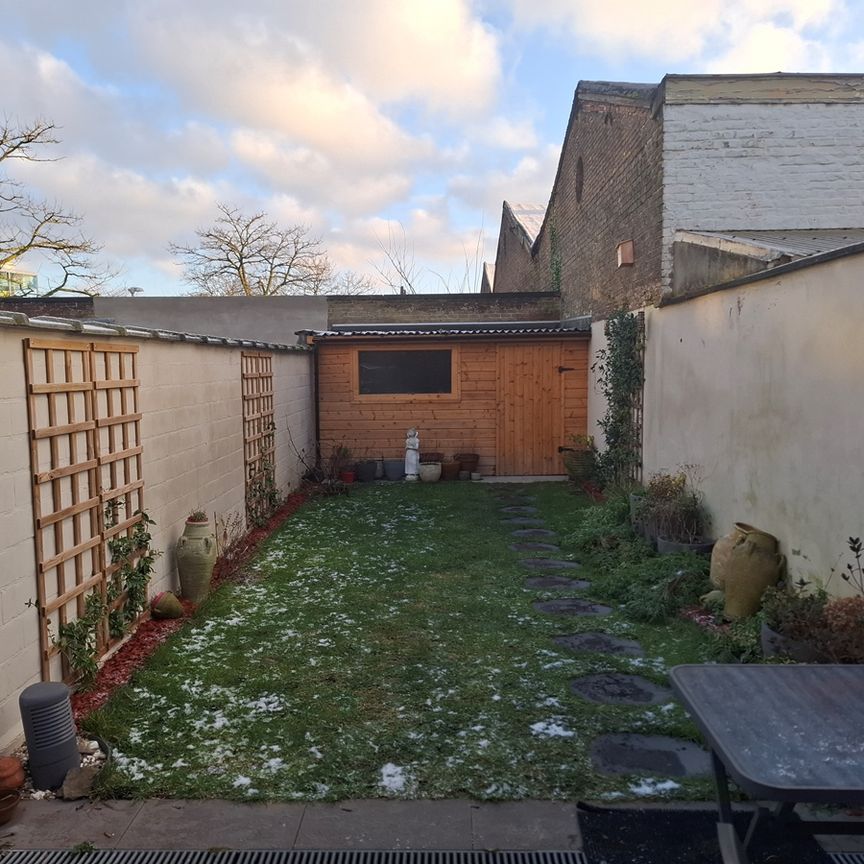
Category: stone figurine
[412,454]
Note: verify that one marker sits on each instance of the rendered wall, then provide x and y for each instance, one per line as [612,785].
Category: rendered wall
[761,166]
[192,433]
[760,387]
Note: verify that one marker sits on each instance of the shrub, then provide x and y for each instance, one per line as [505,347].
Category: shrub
[739,642]
[602,526]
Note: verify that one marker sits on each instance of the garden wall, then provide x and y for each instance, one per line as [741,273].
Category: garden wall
[193,456]
[760,388]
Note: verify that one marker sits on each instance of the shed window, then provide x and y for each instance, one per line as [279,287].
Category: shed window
[405,371]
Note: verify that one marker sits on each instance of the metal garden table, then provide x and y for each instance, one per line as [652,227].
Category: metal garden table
[785,734]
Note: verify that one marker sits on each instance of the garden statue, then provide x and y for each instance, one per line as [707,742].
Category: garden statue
[412,454]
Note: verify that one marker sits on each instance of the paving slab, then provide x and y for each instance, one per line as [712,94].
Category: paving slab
[626,753]
[524,509]
[553,583]
[62,824]
[549,564]
[600,643]
[536,825]
[616,688]
[571,606]
[214,824]
[534,547]
[533,532]
[527,521]
[379,824]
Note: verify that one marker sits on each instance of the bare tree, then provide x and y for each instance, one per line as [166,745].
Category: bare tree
[243,255]
[351,284]
[29,225]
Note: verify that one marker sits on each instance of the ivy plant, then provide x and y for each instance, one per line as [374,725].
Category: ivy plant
[620,373]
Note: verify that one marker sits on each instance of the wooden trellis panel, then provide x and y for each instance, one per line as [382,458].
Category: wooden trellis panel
[258,427]
[85,453]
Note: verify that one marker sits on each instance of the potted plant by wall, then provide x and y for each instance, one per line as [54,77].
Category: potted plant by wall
[196,556]
[430,472]
[467,462]
[450,469]
[580,459]
[674,515]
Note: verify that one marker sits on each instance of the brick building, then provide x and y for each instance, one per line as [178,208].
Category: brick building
[653,173]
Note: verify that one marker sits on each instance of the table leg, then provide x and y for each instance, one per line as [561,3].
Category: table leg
[731,849]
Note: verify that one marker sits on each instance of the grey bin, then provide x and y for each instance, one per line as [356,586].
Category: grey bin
[52,743]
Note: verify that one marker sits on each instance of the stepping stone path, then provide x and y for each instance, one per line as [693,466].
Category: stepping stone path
[625,753]
[571,606]
[549,582]
[522,508]
[549,564]
[526,521]
[533,532]
[600,643]
[615,688]
[534,547]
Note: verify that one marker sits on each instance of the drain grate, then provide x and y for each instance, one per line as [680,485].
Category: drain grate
[346,856]
[846,857]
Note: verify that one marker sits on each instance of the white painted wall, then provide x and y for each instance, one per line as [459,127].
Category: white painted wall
[192,434]
[762,388]
[761,166]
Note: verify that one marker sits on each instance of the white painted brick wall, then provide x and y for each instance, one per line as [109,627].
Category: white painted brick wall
[761,167]
[192,432]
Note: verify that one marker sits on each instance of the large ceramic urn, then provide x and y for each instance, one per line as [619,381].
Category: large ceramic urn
[750,569]
[196,556]
[724,546]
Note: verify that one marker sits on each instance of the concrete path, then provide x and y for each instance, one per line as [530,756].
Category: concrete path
[364,824]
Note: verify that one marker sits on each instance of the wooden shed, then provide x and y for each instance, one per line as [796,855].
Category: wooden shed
[512,393]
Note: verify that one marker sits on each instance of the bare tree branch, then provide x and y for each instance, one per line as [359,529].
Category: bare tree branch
[243,255]
[32,225]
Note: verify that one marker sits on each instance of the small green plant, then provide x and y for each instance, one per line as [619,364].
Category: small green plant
[78,639]
[198,516]
[739,642]
[673,509]
[80,849]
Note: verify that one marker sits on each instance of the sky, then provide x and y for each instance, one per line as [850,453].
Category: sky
[360,119]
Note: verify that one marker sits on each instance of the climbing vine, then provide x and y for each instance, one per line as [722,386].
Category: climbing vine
[620,373]
[554,257]
[78,640]
[262,493]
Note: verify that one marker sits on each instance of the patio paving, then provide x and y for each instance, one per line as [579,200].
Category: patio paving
[357,824]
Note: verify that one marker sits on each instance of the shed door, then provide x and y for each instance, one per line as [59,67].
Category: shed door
[530,419]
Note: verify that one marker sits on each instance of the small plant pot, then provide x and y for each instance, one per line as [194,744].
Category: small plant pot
[8,804]
[671,547]
[464,475]
[11,774]
[366,471]
[476,475]
[348,476]
[394,469]
[430,472]
[449,470]
[775,644]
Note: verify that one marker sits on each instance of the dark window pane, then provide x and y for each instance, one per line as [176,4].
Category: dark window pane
[405,371]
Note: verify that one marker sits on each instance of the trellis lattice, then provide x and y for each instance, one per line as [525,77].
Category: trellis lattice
[87,481]
[259,435]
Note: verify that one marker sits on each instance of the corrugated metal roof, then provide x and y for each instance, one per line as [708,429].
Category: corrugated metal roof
[797,242]
[480,328]
[102,328]
[529,217]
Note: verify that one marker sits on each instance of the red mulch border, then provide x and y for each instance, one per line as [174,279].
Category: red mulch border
[151,633]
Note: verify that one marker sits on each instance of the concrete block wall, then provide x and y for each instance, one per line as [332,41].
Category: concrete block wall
[761,166]
[192,433]
[621,150]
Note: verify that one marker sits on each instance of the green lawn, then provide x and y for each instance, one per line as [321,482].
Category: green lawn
[385,646]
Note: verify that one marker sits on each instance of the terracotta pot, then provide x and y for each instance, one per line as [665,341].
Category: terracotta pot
[430,472]
[750,570]
[347,476]
[724,546]
[8,802]
[11,774]
[196,555]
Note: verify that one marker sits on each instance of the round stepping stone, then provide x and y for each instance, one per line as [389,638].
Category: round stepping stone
[533,532]
[545,582]
[600,643]
[549,564]
[615,688]
[626,753]
[534,547]
[524,509]
[527,521]
[571,606]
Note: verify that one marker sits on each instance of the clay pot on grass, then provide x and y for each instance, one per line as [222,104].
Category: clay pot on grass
[11,774]
[430,472]
[196,556]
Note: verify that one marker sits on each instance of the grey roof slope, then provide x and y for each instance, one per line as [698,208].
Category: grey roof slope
[796,243]
[529,217]
[480,328]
